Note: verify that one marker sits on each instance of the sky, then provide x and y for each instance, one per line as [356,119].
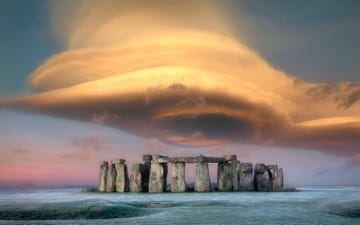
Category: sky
[275,82]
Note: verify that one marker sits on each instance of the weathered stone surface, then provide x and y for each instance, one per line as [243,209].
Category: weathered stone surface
[158,174]
[136,178]
[103,176]
[273,169]
[267,181]
[224,177]
[118,161]
[260,168]
[202,178]
[160,159]
[259,181]
[236,175]
[151,176]
[263,179]
[246,177]
[178,177]
[122,177]
[147,164]
[111,178]
[147,158]
[230,157]
[197,159]
[280,180]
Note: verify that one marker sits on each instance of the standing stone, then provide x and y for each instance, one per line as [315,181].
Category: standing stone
[273,169]
[224,176]
[136,178]
[122,175]
[246,177]
[236,175]
[178,177]
[103,175]
[111,178]
[280,180]
[267,181]
[259,177]
[202,178]
[147,164]
[158,175]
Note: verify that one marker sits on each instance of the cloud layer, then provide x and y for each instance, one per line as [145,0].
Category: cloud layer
[178,76]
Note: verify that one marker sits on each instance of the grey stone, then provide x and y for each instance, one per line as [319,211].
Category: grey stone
[202,178]
[158,175]
[122,177]
[267,181]
[246,177]
[260,168]
[147,164]
[111,178]
[273,169]
[136,178]
[118,161]
[178,177]
[262,178]
[259,181]
[195,159]
[160,159]
[147,158]
[224,176]
[103,176]
[280,180]
[230,157]
[236,175]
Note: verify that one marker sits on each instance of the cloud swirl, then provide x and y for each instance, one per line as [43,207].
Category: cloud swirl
[178,76]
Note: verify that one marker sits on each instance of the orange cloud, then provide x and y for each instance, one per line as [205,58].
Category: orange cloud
[178,76]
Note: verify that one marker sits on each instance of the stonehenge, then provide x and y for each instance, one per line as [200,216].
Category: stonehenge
[151,175]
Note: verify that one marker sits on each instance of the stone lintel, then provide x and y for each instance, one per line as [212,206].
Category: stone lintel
[118,161]
[195,159]
[160,159]
[230,157]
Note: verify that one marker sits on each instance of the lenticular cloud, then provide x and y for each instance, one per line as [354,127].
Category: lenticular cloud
[178,75]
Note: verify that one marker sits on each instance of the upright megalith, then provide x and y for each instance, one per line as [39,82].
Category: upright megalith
[158,175]
[236,175]
[267,180]
[246,177]
[122,175]
[137,178]
[225,176]
[263,178]
[280,180]
[273,169]
[202,178]
[178,177]
[111,178]
[147,164]
[103,175]
[259,181]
